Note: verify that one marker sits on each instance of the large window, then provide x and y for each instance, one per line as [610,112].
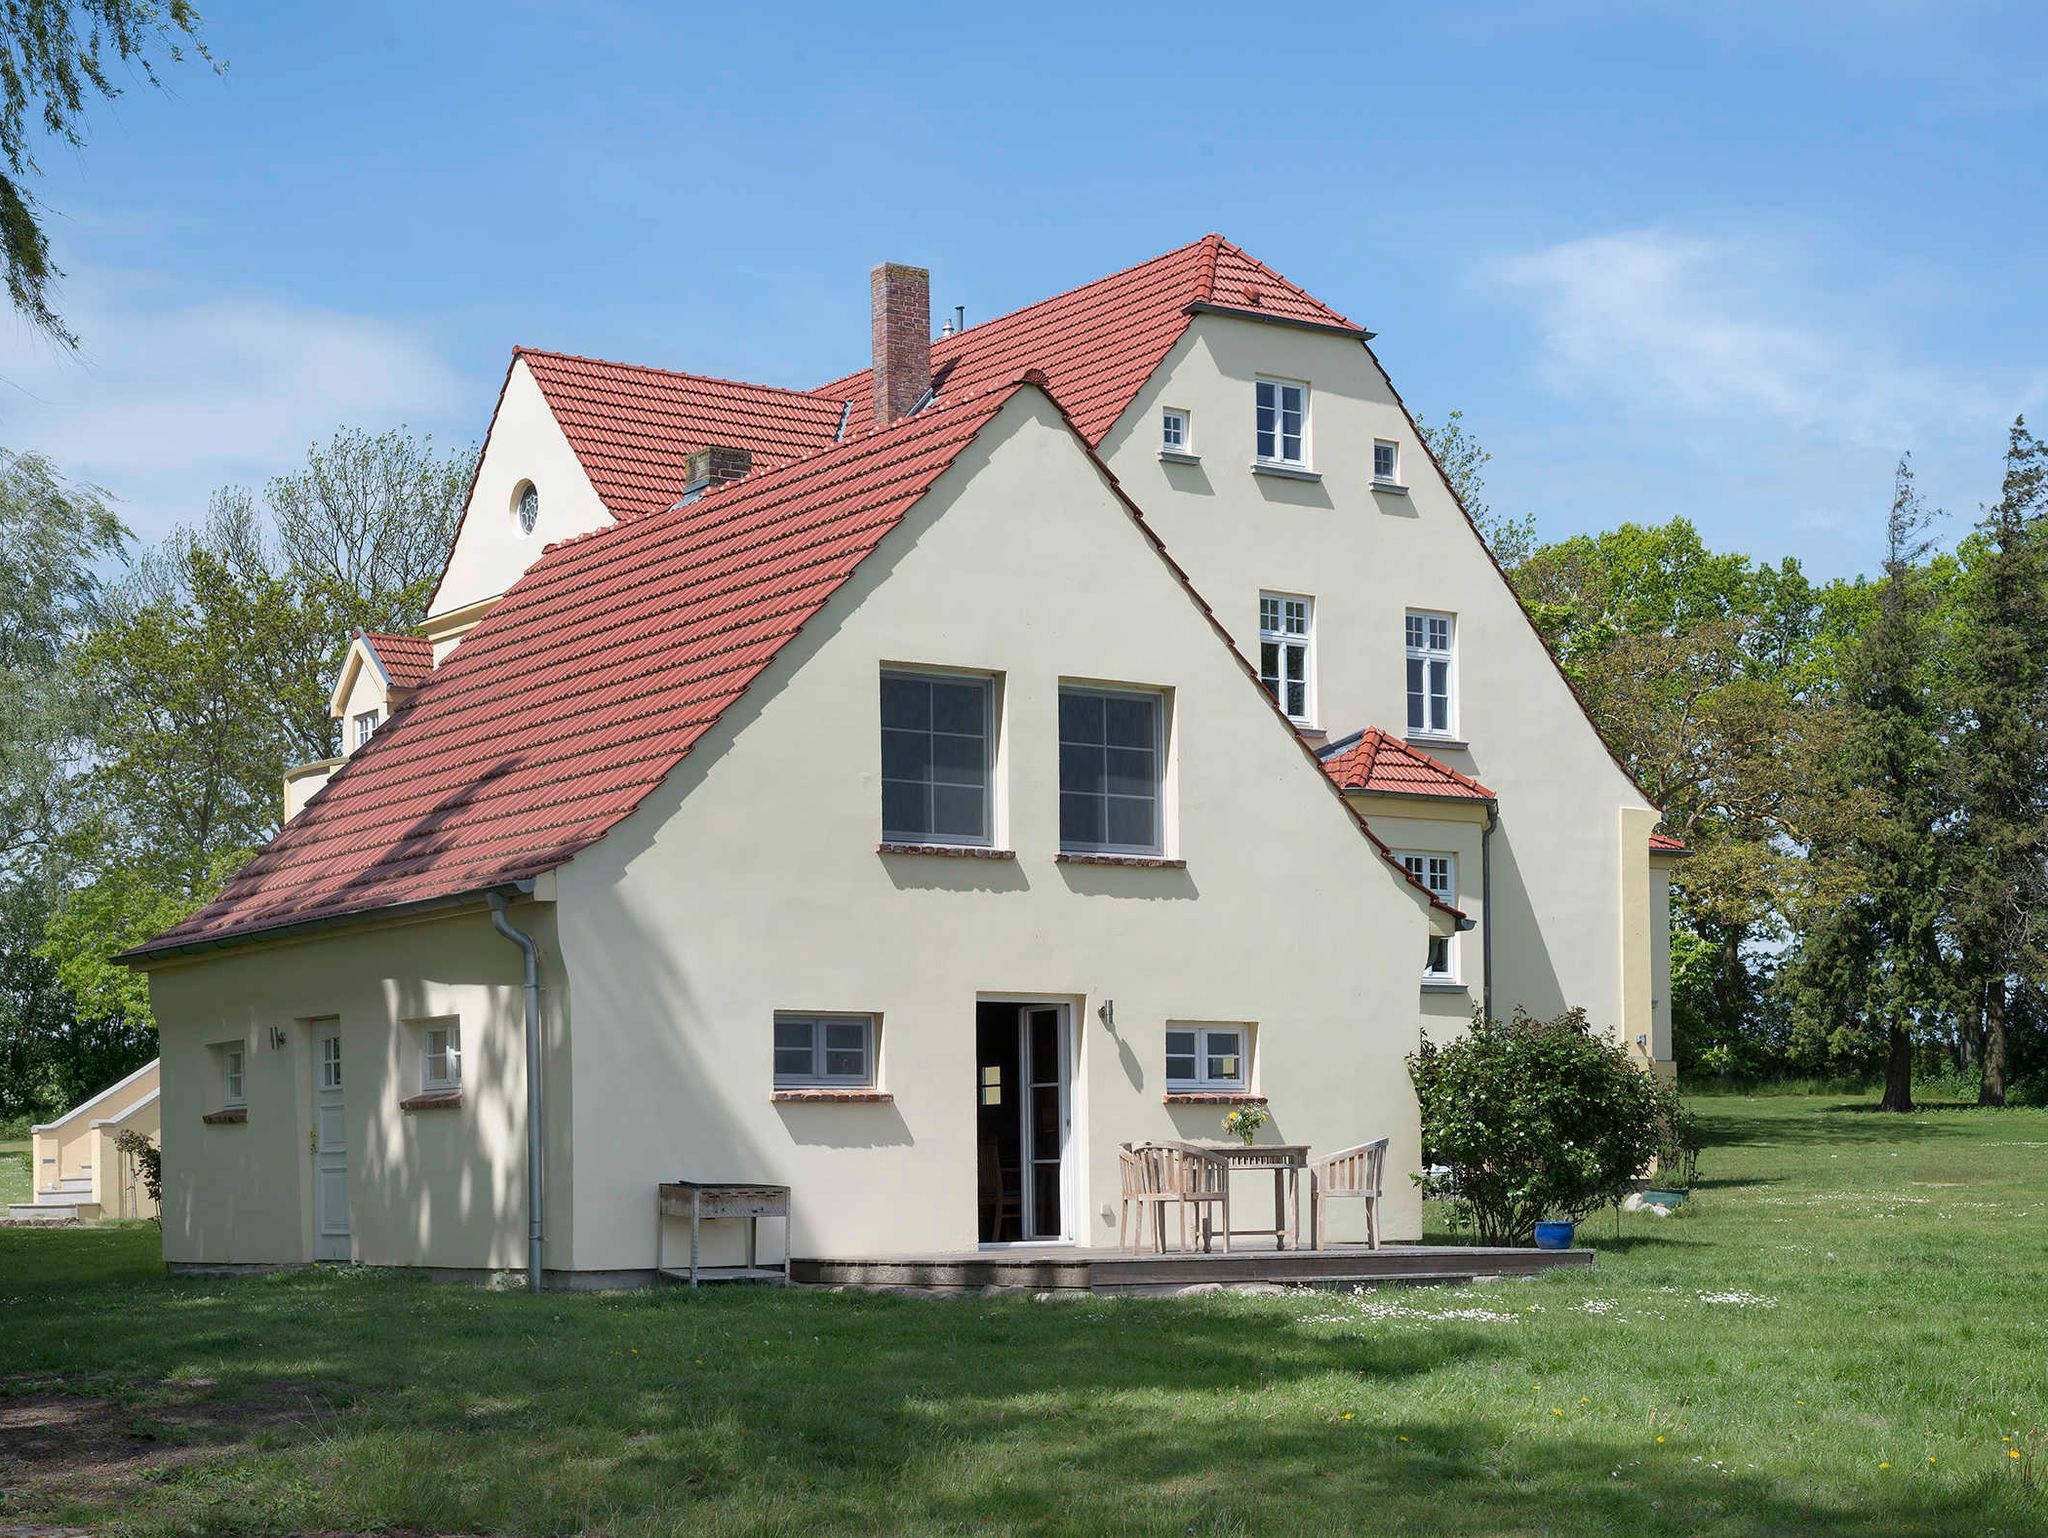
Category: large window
[1208,1058]
[1112,745]
[1282,421]
[1283,652]
[1438,872]
[824,1051]
[937,731]
[1430,638]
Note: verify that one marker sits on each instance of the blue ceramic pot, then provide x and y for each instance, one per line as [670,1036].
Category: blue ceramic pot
[1554,1236]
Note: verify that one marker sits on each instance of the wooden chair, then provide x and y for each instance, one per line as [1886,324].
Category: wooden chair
[1176,1174]
[1350,1172]
[1002,1192]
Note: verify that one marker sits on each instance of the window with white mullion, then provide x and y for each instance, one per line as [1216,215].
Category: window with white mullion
[1429,646]
[1206,1059]
[1284,640]
[1281,421]
[824,1050]
[1439,873]
[441,1056]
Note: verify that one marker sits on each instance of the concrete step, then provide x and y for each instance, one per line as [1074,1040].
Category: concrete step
[52,1212]
[69,1185]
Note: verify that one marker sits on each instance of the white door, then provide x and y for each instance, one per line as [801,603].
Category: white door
[1042,1048]
[330,1150]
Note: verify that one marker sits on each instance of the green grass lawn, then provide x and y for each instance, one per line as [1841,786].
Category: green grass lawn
[1846,1332]
[15,1185]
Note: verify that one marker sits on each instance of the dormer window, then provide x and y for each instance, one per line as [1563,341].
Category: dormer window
[364,728]
[1282,422]
[526,507]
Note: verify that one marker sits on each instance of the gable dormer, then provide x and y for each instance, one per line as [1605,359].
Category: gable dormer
[378,675]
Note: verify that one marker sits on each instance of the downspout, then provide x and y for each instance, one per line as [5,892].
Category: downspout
[1486,909]
[533,1196]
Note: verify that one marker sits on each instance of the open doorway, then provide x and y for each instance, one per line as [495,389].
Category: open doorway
[1022,1095]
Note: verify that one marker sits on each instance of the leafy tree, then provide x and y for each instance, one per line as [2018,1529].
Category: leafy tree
[53,54]
[1463,461]
[1536,1118]
[1999,887]
[1869,959]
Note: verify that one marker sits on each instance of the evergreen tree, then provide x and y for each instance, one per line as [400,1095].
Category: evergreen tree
[2000,761]
[1869,963]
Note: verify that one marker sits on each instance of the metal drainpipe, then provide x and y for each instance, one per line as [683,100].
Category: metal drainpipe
[533,1203]
[1486,909]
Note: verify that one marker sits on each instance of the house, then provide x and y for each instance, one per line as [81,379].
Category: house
[906,790]
[77,1168]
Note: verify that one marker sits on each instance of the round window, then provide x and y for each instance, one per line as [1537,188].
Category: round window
[526,507]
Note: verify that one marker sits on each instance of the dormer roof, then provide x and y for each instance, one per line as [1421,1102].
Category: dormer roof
[399,663]
[1379,763]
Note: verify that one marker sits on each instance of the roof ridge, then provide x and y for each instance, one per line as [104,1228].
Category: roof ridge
[1279,277]
[1065,293]
[670,373]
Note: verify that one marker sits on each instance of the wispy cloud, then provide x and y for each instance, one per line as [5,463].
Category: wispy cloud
[172,396]
[1669,324]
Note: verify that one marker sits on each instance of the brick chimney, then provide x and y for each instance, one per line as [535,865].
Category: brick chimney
[709,468]
[900,301]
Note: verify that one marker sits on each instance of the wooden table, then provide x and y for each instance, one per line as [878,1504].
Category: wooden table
[1287,1161]
[701,1199]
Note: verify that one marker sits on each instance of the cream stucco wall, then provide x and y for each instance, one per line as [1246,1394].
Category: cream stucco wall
[1660,958]
[750,882]
[490,553]
[63,1149]
[443,1188]
[1366,557]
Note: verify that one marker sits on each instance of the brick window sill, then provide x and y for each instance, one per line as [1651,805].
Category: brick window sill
[1129,861]
[1211,1097]
[831,1097]
[228,1118]
[948,851]
[439,1100]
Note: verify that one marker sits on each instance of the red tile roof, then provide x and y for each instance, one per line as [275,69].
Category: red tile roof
[1099,343]
[405,659]
[633,428]
[586,684]
[591,680]
[1373,760]
[1664,843]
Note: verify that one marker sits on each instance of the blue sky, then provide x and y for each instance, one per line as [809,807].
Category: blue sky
[1719,259]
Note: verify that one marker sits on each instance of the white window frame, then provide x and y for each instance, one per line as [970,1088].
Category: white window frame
[818,1077]
[365,724]
[1427,652]
[987,684]
[234,1076]
[1157,847]
[450,1076]
[1437,869]
[1279,388]
[1392,477]
[1276,614]
[1175,424]
[1205,1082]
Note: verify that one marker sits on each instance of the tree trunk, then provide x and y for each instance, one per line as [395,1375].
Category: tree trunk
[1898,1072]
[1992,1092]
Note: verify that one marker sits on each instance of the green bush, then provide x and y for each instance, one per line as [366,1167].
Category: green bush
[1536,1119]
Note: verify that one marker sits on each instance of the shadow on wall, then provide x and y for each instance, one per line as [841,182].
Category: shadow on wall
[1524,972]
[1154,883]
[870,1124]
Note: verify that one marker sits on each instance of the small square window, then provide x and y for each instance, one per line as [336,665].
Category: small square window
[1173,431]
[440,1054]
[823,1051]
[233,1083]
[1208,1059]
[1386,461]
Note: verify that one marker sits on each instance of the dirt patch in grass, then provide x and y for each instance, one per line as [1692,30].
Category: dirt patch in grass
[99,1438]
